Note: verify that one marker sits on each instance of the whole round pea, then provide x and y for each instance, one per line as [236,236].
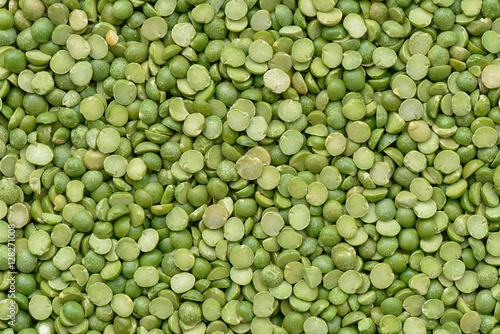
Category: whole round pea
[293,322]
[190,312]
[15,61]
[73,312]
[426,229]
[123,9]
[26,262]
[25,283]
[6,19]
[408,239]
[336,89]
[271,275]
[83,221]
[42,29]
[392,305]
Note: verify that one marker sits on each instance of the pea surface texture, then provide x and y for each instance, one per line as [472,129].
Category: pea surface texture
[249,166]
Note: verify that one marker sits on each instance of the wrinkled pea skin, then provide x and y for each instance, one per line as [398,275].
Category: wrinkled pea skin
[249,166]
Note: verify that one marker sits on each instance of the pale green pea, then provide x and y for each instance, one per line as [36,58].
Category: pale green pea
[355,25]
[182,282]
[272,223]
[260,51]
[81,73]
[491,244]
[39,154]
[136,169]
[418,65]
[234,229]
[299,216]
[92,108]
[100,294]
[289,110]
[477,226]
[454,270]
[461,104]
[351,60]
[215,216]
[115,165]
[470,322]
[331,17]
[124,92]
[490,75]
[40,307]
[161,307]
[291,141]
[122,305]
[276,80]
[332,55]
[350,281]
[249,167]
[198,77]
[289,238]
[78,47]
[183,34]
[404,87]
[127,249]
[335,143]
[39,242]
[263,304]
[191,161]
[485,137]
[357,205]
[447,161]
[155,28]
[381,276]
[384,57]
[98,47]
[62,62]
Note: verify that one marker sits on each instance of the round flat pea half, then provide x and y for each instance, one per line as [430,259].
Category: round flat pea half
[182,282]
[182,34]
[154,28]
[447,161]
[276,80]
[100,294]
[291,142]
[108,140]
[40,307]
[146,276]
[289,110]
[485,137]
[260,51]
[490,76]
[332,55]
[39,154]
[299,216]
[381,276]
[215,216]
[384,57]
[92,108]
